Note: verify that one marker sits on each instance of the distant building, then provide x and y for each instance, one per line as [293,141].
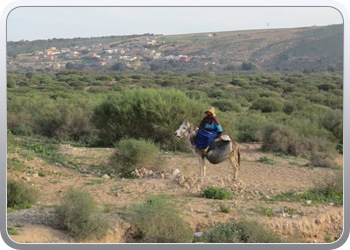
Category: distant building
[150,42]
[49,58]
[184,59]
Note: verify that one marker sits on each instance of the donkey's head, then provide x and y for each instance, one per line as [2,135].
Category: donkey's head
[183,130]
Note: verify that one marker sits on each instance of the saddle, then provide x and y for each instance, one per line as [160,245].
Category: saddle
[219,150]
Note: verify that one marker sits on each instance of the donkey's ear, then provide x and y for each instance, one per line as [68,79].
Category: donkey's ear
[184,120]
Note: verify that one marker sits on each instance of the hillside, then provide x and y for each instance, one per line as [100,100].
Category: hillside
[316,48]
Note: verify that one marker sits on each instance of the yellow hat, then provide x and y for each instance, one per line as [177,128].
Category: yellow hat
[211,110]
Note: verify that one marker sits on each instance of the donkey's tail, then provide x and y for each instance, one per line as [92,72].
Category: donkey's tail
[239,158]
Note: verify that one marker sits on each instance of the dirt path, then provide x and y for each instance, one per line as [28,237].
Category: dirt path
[255,180]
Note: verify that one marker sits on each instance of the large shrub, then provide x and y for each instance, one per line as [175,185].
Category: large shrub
[279,138]
[248,127]
[20,195]
[145,113]
[131,154]
[159,221]
[78,214]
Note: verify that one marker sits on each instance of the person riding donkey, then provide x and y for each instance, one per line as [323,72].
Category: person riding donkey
[208,130]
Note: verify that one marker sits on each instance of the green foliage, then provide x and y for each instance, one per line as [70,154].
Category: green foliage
[212,192]
[248,126]
[242,231]
[78,214]
[340,148]
[224,208]
[267,104]
[267,160]
[12,231]
[227,105]
[131,154]
[316,196]
[20,195]
[330,184]
[296,104]
[11,82]
[239,81]
[332,120]
[266,211]
[279,138]
[283,139]
[128,176]
[159,221]
[196,94]
[145,114]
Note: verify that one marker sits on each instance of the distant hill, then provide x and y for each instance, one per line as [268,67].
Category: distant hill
[316,48]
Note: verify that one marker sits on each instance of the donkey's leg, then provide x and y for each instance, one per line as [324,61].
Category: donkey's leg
[201,165]
[204,167]
[233,164]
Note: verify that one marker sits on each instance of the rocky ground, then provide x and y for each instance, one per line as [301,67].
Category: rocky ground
[179,176]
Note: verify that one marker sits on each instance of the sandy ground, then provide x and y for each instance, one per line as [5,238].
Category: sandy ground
[255,180]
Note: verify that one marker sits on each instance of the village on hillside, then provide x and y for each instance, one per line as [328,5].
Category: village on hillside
[96,56]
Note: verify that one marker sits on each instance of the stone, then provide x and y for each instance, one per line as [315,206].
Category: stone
[175,172]
[181,180]
[308,201]
[198,234]
[26,178]
[276,210]
[35,175]
[106,176]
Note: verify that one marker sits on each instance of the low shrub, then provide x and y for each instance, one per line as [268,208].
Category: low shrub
[227,105]
[267,105]
[20,195]
[331,183]
[241,232]
[212,192]
[131,154]
[267,160]
[78,214]
[158,221]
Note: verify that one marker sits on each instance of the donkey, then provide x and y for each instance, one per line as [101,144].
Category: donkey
[215,155]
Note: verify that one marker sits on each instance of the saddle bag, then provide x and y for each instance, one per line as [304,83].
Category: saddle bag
[219,150]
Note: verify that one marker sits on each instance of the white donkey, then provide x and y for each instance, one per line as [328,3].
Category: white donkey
[215,154]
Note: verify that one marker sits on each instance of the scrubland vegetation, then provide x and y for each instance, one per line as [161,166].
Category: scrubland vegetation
[292,113]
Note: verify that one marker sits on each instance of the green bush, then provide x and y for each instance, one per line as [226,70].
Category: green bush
[131,154]
[267,160]
[196,94]
[146,114]
[241,232]
[267,104]
[159,221]
[78,214]
[212,192]
[239,82]
[279,138]
[295,104]
[248,126]
[20,195]
[227,105]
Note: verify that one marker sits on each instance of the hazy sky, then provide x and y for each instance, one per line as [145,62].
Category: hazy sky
[32,23]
